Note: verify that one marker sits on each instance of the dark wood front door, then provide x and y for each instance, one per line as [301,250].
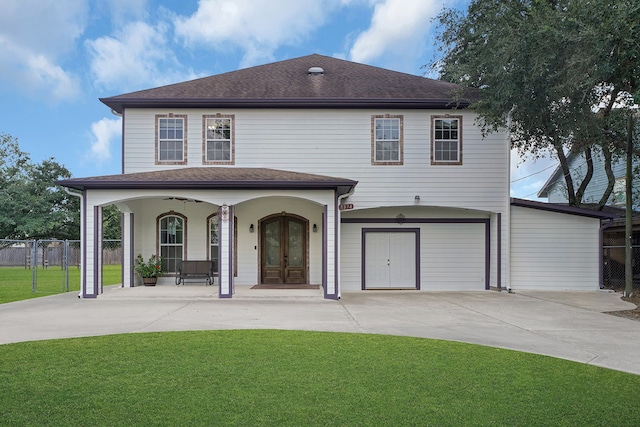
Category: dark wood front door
[284,250]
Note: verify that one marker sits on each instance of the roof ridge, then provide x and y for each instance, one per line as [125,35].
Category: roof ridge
[287,83]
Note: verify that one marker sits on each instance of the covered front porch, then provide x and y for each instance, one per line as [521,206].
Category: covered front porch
[274,229]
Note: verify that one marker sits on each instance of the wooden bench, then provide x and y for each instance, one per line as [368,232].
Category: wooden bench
[197,269]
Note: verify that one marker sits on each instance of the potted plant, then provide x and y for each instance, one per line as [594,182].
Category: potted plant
[149,270]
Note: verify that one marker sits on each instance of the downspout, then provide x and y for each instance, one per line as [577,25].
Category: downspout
[338,237]
[82,238]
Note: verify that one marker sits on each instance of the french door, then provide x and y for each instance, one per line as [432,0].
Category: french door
[283,250]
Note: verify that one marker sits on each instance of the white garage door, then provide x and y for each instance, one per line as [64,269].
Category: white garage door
[390,260]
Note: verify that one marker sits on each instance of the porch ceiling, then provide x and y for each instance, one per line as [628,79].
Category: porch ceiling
[203,178]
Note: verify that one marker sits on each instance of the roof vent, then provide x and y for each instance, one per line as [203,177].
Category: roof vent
[315,71]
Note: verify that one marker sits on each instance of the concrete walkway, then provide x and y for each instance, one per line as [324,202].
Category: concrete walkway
[568,325]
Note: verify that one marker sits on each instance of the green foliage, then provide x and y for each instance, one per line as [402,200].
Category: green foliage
[150,268]
[33,207]
[544,68]
[111,223]
[293,378]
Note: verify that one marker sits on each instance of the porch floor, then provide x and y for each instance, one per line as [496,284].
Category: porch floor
[196,290]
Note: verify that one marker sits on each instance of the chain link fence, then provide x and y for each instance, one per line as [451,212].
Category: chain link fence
[48,266]
[613,252]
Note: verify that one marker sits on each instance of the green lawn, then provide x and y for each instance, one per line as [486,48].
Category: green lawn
[292,378]
[16,282]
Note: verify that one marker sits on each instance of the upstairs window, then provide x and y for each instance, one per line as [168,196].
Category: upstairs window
[386,140]
[218,147]
[170,139]
[446,140]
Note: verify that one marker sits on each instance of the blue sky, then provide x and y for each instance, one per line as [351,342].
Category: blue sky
[59,57]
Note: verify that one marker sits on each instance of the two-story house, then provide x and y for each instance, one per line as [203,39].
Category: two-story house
[315,171]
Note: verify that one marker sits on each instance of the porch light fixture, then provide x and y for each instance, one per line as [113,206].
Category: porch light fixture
[417,198]
[315,228]
[251,229]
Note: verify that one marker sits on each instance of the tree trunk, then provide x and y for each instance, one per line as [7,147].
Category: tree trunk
[568,179]
[587,178]
[611,178]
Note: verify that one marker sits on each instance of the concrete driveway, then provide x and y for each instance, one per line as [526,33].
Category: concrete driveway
[568,325]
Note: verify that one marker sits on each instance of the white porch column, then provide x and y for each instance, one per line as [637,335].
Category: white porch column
[92,268]
[127,250]
[225,251]
[331,242]
[97,267]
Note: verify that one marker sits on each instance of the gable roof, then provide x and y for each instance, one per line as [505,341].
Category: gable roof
[204,178]
[289,83]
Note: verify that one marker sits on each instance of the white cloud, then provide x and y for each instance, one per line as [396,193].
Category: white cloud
[105,132]
[137,56]
[258,27]
[35,36]
[397,33]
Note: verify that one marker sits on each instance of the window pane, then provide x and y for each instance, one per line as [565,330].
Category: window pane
[387,139]
[446,140]
[272,244]
[170,138]
[218,139]
[296,250]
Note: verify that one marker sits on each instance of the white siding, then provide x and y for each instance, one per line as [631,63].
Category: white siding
[338,143]
[554,251]
[453,257]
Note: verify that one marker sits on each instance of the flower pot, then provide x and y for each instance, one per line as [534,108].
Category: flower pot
[149,281]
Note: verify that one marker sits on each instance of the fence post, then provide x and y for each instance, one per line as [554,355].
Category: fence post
[65,263]
[34,266]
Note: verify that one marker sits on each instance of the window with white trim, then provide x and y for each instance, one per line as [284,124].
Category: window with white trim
[446,140]
[170,139]
[171,236]
[218,139]
[386,140]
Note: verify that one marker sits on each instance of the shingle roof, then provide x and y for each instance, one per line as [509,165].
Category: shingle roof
[344,84]
[202,178]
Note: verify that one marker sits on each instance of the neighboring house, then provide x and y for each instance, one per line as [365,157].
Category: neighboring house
[555,189]
[316,170]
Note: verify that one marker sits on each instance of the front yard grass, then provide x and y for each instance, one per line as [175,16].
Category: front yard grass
[293,378]
[16,282]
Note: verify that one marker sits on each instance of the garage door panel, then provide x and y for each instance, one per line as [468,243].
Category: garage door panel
[402,260]
[377,265]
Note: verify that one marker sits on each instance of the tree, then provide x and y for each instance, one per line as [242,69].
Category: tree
[33,207]
[561,76]
[111,223]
